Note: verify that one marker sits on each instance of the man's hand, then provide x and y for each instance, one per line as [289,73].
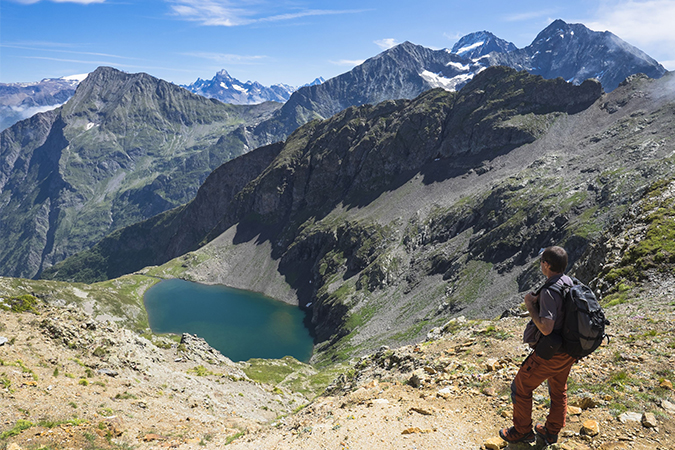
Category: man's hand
[544,325]
[531,301]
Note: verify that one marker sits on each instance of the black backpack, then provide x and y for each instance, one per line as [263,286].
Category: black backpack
[584,327]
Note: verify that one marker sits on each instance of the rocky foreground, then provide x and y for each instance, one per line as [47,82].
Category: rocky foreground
[69,382]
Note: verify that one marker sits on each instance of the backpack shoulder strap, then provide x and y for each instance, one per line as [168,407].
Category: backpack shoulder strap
[554,286]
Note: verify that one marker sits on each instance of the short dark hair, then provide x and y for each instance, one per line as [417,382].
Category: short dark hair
[556,257]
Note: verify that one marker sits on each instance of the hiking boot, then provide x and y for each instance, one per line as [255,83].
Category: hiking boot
[542,432]
[512,436]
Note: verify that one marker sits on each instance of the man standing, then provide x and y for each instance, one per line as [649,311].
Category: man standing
[546,310]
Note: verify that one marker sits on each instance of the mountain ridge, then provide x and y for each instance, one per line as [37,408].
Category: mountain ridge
[120,146]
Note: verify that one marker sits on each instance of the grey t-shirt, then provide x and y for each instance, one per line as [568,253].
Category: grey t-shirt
[550,307]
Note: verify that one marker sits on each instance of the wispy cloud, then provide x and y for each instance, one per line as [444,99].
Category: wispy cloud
[227,58]
[57,47]
[386,44]
[641,22]
[82,2]
[226,13]
[529,15]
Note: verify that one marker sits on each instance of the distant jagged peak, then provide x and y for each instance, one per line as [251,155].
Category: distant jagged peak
[560,28]
[480,43]
[223,74]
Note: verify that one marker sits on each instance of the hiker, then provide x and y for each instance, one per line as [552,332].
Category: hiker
[543,333]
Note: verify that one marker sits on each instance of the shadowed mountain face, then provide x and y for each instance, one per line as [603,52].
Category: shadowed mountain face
[124,148]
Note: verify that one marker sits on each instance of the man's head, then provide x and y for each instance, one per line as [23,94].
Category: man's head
[556,258]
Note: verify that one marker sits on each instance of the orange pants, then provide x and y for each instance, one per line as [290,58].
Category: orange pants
[532,373]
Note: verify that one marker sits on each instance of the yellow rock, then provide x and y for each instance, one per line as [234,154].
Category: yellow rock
[666,384]
[495,443]
[590,428]
[413,430]
[573,410]
[14,446]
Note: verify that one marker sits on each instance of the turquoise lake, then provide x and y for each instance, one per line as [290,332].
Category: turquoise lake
[239,324]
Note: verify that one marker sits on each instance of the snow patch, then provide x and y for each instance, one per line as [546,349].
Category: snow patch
[449,84]
[458,66]
[469,47]
[238,88]
[90,125]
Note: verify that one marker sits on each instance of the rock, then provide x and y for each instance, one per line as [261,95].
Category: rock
[649,420]
[630,417]
[446,392]
[668,406]
[492,365]
[586,403]
[14,446]
[109,372]
[430,370]
[418,378]
[665,384]
[490,392]
[590,428]
[494,443]
[154,437]
[613,446]
[413,430]
[573,410]
[421,410]
[3,340]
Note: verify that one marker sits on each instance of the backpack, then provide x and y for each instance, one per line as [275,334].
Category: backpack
[584,325]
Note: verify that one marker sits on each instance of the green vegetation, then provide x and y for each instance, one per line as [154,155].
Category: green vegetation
[200,371]
[656,250]
[21,425]
[22,303]
[292,374]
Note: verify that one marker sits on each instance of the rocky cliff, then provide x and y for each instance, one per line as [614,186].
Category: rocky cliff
[386,219]
[124,148]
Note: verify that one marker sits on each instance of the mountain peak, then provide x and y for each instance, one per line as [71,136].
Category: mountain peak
[481,43]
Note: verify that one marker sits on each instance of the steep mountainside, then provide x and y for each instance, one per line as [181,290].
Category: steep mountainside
[402,72]
[122,149]
[575,53]
[428,202]
[386,220]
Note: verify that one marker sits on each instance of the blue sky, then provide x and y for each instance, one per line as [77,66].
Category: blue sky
[280,41]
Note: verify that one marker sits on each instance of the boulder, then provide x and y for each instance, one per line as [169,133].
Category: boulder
[590,428]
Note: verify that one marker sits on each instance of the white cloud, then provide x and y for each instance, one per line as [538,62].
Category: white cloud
[224,13]
[386,44]
[82,2]
[640,22]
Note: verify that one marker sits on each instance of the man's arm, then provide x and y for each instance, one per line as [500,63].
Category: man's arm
[545,325]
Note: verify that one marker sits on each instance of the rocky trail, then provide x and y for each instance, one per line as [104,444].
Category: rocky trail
[69,382]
